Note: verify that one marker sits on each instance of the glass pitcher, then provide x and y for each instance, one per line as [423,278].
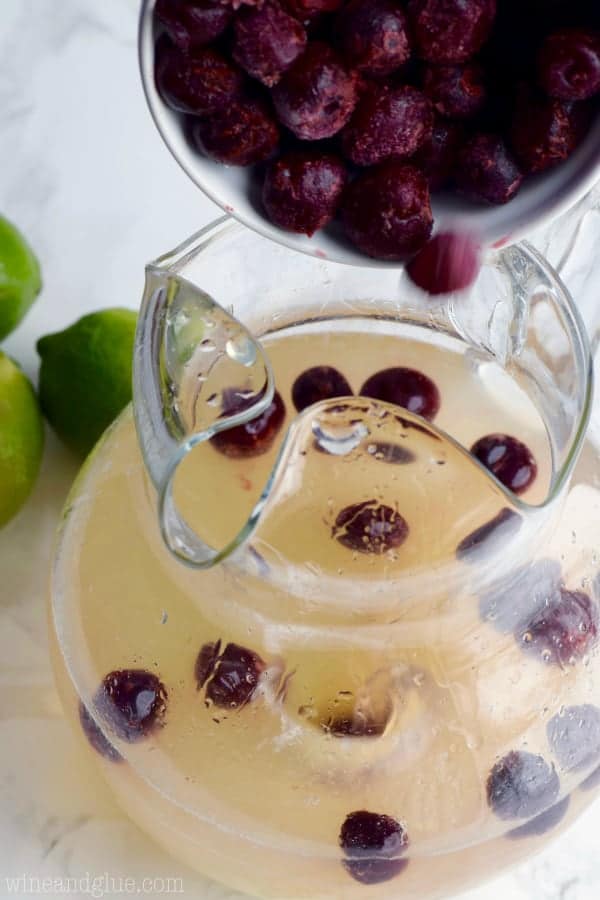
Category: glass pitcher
[324,603]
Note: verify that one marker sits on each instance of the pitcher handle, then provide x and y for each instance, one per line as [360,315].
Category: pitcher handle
[183,338]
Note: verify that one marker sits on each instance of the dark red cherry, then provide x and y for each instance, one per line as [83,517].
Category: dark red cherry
[206,661]
[447,263]
[545,131]
[267,41]
[254,437]
[199,84]
[133,702]
[302,190]
[521,786]
[386,211]
[370,527]
[508,459]
[193,23]
[242,133]
[388,123]
[319,383]
[437,157]
[569,64]
[457,92]
[373,36]
[316,96]
[563,630]
[404,387]
[450,31]
[373,845]
[486,170]
[235,677]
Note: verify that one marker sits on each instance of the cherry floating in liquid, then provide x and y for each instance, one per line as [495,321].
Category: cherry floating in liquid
[373,845]
[404,387]
[254,437]
[511,461]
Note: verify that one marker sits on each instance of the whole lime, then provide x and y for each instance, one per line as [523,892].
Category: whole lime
[85,375]
[20,279]
[21,438]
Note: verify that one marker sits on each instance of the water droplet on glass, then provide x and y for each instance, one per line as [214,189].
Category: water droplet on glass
[339,440]
[241,349]
[207,346]
[213,400]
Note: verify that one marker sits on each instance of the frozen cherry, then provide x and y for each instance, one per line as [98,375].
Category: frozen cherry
[241,134]
[521,786]
[404,387]
[450,31]
[267,41]
[96,736]
[373,36]
[192,23]
[486,170]
[133,702]
[302,190]
[319,383]
[206,662]
[518,597]
[388,123]
[563,630]
[235,677]
[437,156]
[386,211]
[503,525]
[370,527]
[574,736]
[253,437]
[316,96]
[457,92]
[508,459]
[199,84]
[569,64]
[373,845]
[543,823]
[545,131]
[447,263]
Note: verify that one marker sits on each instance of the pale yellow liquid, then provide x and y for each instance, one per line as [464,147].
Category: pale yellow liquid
[256,797]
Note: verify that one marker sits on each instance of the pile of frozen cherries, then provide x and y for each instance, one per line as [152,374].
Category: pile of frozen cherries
[360,109]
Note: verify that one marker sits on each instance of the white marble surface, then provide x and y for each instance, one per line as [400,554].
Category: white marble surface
[87,178]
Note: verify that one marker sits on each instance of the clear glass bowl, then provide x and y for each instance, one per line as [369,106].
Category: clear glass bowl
[296,705]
